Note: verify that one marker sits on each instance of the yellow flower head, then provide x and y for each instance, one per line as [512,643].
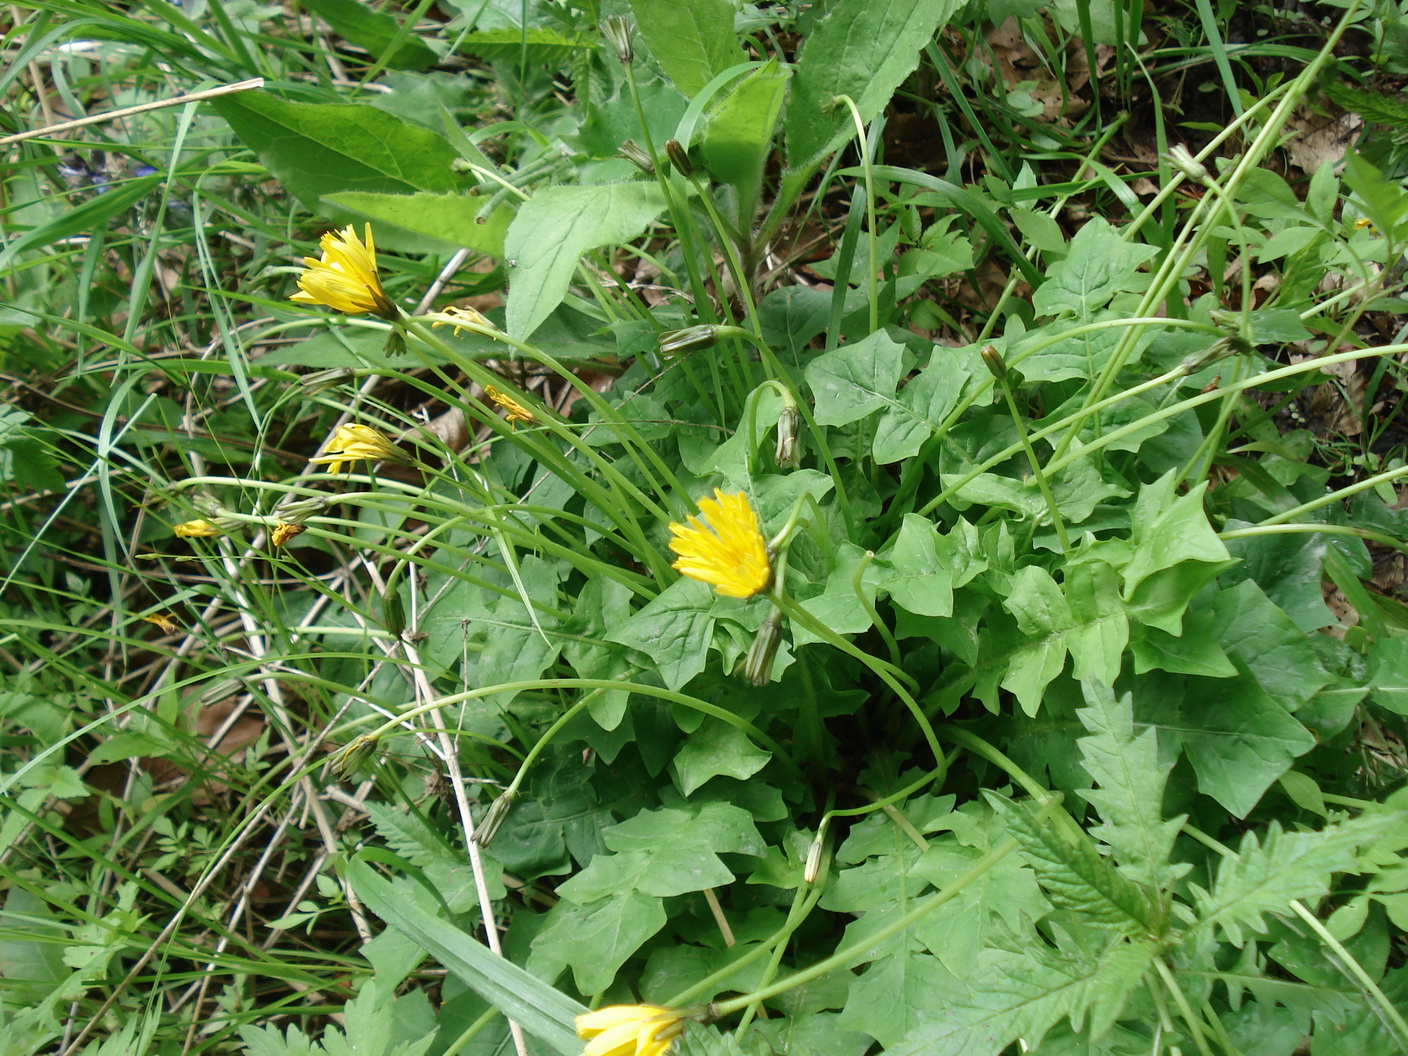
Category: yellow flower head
[198,529]
[629,1030]
[345,279]
[729,552]
[513,410]
[355,443]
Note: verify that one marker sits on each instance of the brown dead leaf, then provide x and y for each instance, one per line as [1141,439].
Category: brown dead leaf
[1312,139]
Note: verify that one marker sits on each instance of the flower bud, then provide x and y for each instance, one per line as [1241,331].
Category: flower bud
[788,454]
[690,339]
[1182,160]
[498,810]
[295,510]
[636,155]
[321,380]
[393,612]
[992,359]
[354,755]
[1228,346]
[813,866]
[757,665]
[679,158]
[617,31]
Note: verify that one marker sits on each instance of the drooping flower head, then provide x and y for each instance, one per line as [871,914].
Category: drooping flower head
[284,531]
[725,549]
[198,529]
[513,410]
[355,443]
[461,317]
[345,279]
[629,1030]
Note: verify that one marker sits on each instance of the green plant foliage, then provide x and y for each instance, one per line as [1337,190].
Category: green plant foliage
[829,529]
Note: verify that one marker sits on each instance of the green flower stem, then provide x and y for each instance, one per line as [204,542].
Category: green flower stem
[529,685]
[741,280]
[1200,223]
[546,739]
[1214,1024]
[810,730]
[470,1032]
[888,674]
[894,797]
[775,369]
[1335,496]
[1056,520]
[1056,463]
[1348,801]
[1348,963]
[1314,528]
[875,621]
[1200,463]
[804,900]
[1195,1025]
[916,466]
[569,550]
[750,414]
[1193,236]
[975,744]
[843,958]
[807,896]
[625,432]
[979,747]
[612,497]
[1149,418]
[1351,966]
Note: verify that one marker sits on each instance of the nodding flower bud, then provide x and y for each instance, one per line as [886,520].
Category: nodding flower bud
[788,454]
[295,510]
[354,755]
[636,155]
[1233,344]
[393,612]
[679,158]
[617,31]
[325,379]
[813,865]
[1182,160]
[690,339]
[498,810]
[757,665]
[992,359]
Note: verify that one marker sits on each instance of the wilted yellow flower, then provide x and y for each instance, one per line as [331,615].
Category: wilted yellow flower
[283,532]
[162,620]
[355,443]
[198,529]
[513,410]
[463,316]
[729,552]
[345,278]
[629,1030]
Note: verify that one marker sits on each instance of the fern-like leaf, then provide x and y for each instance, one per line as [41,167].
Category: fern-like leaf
[1130,780]
[1264,877]
[1023,993]
[409,836]
[1075,875]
